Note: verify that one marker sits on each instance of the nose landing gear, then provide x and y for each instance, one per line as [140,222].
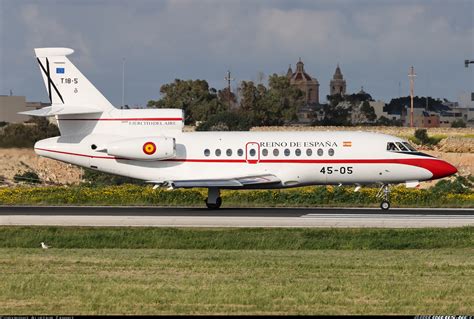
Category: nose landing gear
[384,193]
[213,200]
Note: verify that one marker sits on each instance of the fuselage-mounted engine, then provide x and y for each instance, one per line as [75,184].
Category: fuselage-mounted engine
[144,148]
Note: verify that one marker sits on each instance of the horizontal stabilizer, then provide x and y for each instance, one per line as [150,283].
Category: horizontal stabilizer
[62,110]
[49,52]
[232,182]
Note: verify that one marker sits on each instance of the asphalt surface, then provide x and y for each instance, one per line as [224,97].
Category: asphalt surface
[234,217]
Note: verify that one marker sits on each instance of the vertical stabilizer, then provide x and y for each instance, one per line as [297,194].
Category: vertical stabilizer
[65,84]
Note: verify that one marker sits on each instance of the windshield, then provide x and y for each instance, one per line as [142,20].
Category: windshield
[400,147]
[409,146]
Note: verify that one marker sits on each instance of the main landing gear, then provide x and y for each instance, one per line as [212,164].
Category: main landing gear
[384,193]
[213,200]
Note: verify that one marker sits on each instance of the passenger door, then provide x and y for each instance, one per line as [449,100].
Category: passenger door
[252,152]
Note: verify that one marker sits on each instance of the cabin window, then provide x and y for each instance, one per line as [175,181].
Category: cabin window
[240,152]
[320,152]
[297,152]
[392,147]
[218,152]
[402,147]
[331,152]
[409,146]
[207,152]
[264,152]
[229,152]
[276,152]
[93,146]
[309,152]
[287,152]
[252,152]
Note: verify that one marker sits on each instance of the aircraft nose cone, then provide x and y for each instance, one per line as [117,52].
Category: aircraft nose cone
[442,169]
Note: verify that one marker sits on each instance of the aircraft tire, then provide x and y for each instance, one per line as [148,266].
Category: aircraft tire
[385,205]
[215,205]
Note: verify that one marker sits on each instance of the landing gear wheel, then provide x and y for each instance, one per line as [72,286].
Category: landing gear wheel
[215,205]
[385,205]
[384,193]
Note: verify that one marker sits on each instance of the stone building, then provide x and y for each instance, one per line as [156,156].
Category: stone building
[306,83]
[11,105]
[337,84]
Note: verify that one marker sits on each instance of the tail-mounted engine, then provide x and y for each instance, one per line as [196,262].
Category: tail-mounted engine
[144,148]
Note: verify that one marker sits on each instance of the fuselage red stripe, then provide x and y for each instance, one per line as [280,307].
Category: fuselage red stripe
[77,154]
[127,119]
[405,161]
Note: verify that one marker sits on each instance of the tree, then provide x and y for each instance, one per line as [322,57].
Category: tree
[335,113]
[383,121]
[368,111]
[280,102]
[396,105]
[250,95]
[225,96]
[194,97]
[227,121]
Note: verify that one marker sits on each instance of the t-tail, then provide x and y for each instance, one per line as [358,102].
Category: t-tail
[69,91]
[81,110]
[66,85]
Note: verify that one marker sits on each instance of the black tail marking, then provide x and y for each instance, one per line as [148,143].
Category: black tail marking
[50,81]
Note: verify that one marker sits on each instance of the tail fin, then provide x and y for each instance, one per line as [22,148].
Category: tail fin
[66,85]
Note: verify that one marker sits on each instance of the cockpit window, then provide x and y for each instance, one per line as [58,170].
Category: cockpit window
[402,147]
[392,147]
[409,146]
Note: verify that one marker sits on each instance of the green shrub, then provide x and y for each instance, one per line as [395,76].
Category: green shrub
[458,123]
[28,177]
[460,185]
[96,178]
[421,137]
[25,135]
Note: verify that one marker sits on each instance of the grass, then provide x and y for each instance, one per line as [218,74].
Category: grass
[149,281]
[140,271]
[235,238]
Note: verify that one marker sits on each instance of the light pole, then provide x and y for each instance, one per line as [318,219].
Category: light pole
[228,79]
[411,75]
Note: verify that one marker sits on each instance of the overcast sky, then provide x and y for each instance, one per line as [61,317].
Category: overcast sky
[375,43]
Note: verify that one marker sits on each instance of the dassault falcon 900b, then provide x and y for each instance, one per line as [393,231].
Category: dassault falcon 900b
[149,144]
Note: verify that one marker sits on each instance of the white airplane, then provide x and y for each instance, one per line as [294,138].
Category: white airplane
[149,144]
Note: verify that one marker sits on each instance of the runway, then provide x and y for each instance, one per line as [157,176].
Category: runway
[234,217]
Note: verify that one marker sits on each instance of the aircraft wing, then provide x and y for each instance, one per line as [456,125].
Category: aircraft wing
[232,182]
